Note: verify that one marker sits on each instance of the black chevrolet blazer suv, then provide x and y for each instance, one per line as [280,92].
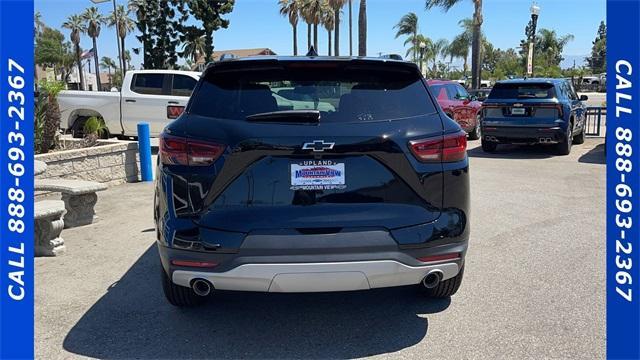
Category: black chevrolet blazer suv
[311,174]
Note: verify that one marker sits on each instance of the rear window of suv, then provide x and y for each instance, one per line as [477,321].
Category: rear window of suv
[523,91]
[342,93]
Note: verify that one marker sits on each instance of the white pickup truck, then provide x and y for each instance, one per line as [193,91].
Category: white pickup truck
[153,96]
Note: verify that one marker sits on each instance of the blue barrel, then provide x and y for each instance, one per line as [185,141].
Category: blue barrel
[144,147]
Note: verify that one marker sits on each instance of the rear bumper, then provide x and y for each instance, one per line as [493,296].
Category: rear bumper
[330,265]
[528,135]
[317,277]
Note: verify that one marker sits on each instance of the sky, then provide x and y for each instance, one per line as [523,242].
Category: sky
[257,24]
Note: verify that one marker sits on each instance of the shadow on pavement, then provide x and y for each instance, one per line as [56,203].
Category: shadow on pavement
[515,152]
[133,320]
[594,156]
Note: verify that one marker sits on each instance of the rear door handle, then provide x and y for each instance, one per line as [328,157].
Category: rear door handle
[173,103]
[129,100]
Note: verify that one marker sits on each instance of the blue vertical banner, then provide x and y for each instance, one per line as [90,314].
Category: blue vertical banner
[16,179]
[623,179]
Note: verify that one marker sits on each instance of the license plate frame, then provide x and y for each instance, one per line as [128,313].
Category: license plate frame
[317,175]
[518,111]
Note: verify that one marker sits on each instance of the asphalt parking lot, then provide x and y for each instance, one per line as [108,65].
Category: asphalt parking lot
[533,287]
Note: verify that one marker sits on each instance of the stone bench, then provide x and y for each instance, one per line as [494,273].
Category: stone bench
[48,223]
[79,198]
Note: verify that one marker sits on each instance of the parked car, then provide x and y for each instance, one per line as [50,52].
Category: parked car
[252,197]
[457,104]
[480,94]
[533,111]
[153,96]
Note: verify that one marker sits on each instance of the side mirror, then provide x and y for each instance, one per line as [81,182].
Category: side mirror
[474,98]
[584,98]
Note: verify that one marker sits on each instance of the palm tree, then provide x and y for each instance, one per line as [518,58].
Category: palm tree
[433,50]
[75,23]
[551,46]
[459,48]
[291,9]
[408,25]
[94,20]
[336,6]
[307,16]
[312,13]
[328,21]
[362,29]
[126,56]
[193,46]
[476,40]
[124,25]
[39,25]
[416,52]
[108,63]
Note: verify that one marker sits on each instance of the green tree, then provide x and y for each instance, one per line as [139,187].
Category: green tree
[49,49]
[416,52]
[75,23]
[160,25]
[311,11]
[291,10]
[433,50]
[51,89]
[210,13]
[597,62]
[124,25]
[459,49]
[108,63]
[193,43]
[38,24]
[336,6]
[476,43]
[328,21]
[362,28]
[94,21]
[408,26]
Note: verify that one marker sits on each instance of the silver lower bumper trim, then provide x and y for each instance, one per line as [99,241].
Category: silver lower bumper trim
[316,277]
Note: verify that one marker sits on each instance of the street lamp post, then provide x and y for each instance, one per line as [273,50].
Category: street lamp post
[531,32]
[120,51]
[422,45]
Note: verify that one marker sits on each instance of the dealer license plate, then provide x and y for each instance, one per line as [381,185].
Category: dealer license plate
[317,175]
[517,111]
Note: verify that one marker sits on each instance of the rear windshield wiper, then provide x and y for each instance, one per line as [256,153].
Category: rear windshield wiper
[288,116]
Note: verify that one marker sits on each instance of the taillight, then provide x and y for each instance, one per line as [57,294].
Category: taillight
[176,150]
[447,148]
[173,112]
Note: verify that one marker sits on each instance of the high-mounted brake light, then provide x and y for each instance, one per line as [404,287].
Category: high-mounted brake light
[447,148]
[176,150]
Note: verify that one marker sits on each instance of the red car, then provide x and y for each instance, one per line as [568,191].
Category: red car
[458,105]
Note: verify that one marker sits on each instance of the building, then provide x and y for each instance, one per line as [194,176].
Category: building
[200,63]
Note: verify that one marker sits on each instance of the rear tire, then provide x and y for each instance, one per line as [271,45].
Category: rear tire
[447,287]
[579,139]
[564,148]
[489,146]
[177,295]
[475,134]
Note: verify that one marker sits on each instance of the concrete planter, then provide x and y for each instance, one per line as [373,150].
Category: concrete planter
[110,162]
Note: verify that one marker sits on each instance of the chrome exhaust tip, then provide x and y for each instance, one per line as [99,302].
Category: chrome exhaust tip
[432,279]
[201,287]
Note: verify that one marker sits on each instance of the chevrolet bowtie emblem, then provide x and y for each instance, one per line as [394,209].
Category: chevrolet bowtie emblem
[318,146]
